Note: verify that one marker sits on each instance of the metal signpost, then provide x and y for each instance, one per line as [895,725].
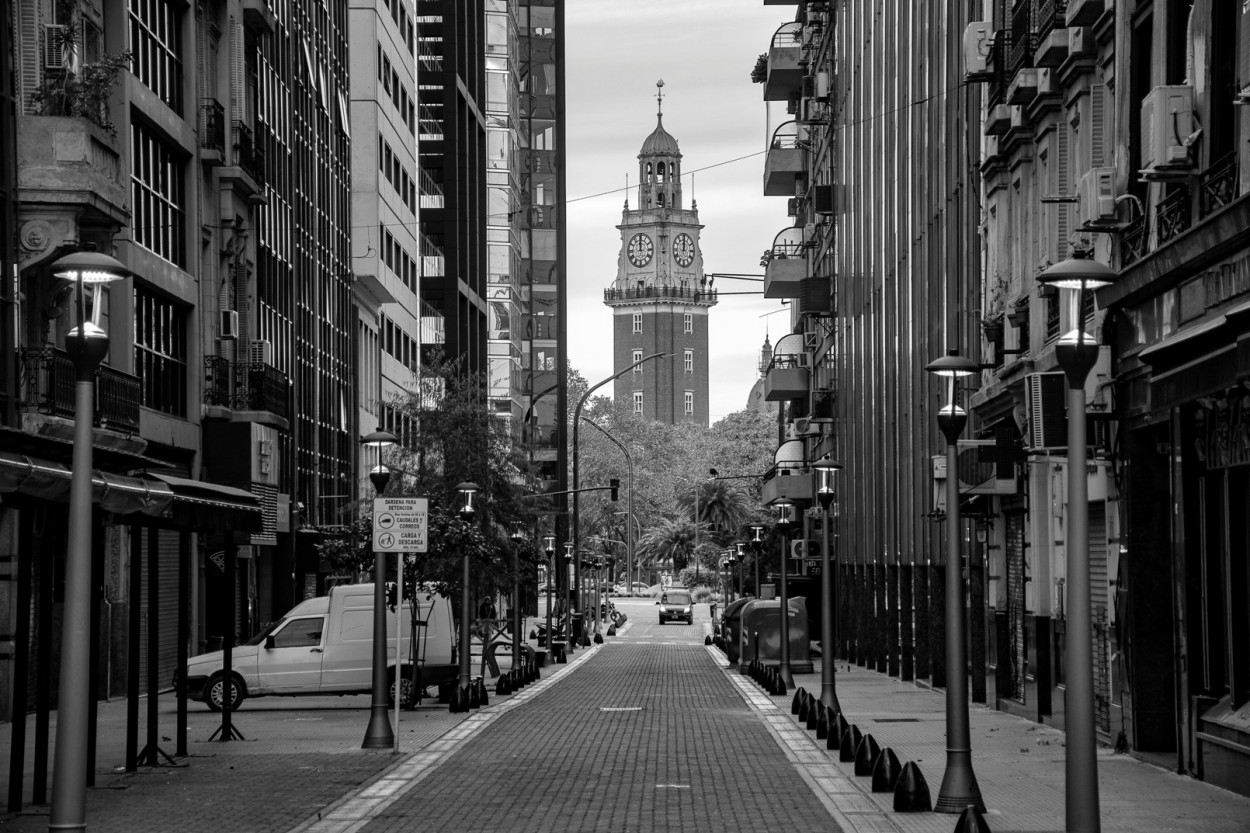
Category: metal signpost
[400,525]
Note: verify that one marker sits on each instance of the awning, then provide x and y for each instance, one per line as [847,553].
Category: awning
[1186,337]
[201,505]
[49,480]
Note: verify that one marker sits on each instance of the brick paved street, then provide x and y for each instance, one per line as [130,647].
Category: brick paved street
[647,732]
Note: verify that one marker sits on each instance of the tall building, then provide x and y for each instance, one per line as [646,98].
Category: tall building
[659,299]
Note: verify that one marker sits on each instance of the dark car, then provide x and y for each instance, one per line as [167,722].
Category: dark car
[676,604]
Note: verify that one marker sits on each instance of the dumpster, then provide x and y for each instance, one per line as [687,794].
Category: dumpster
[579,629]
[763,617]
[732,628]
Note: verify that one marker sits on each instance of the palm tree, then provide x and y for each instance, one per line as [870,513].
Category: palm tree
[723,507]
[671,541]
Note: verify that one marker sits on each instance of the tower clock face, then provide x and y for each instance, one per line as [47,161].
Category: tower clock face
[683,250]
[640,249]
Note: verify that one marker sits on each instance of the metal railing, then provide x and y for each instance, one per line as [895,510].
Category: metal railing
[247,154]
[1173,216]
[1051,15]
[1217,185]
[48,382]
[212,124]
[1023,39]
[660,293]
[1133,242]
[996,90]
[246,386]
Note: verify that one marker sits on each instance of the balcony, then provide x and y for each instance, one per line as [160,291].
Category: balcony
[259,17]
[1023,87]
[998,120]
[48,386]
[785,163]
[788,376]
[1052,33]
[70,162]
[1218,185]
[1023,39]
[789,478]
[786,63]
[1173,216]
[784,264]
[248,155]
[659,294]
[1083,12]
[246,386]
[212,131]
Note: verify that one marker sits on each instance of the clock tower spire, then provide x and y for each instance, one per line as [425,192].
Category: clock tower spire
[660,300]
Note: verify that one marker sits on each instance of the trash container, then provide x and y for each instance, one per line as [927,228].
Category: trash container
[578,628]
[731,630]
[764,617]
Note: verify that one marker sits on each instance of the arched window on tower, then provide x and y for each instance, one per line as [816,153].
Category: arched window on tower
[672,169]
[659,172]
[649,173]
[660,197]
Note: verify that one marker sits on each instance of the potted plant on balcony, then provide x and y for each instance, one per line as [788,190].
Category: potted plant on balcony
[79,91]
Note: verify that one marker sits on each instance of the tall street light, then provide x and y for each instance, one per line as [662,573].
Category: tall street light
[729,576]
[629,495]
[568,601]
[740,557]
[87,345]
[549,547]
[826,468]
[785,517]
[379,735]
[468,512]
[757,544]
[1076,353]
[514,621]
[959,784]
[577,418]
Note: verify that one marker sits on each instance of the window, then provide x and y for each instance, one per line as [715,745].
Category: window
[161,353]
[689,402]
[637,358]
[688,323]
[689,361]
[156,44]
[157,195]
[637,401]
[638,323]
[300,633]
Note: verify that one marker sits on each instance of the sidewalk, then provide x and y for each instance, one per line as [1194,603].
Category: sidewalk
[302,769]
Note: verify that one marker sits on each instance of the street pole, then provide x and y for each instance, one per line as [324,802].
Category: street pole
[87,346]
[468,512]
[549,547]
[1076,353]
[785,510]
[629,496]
[378,734]
[959,783]
[826,468]
[757,545]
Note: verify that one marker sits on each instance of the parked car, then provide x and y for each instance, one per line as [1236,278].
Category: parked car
[325,646]
[676,604]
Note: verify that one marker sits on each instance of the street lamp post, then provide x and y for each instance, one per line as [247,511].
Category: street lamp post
[87,345]
[826,468]
[740,557]
[629,496]
[568,601]
[549,547]
[515,620]
[729,576]
[1076,354]
[757,544]
[785,517]
[959,783]
[577,414]
[379,735]
[468,512]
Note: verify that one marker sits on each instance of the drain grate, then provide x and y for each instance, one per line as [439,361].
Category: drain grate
[896,720]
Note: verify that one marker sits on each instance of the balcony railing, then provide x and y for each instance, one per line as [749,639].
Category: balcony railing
[1133,242]
[1023,39]
[1173,216]
[1051,15]
[48,384]
[212,124]
[245,386]
[996,90]
[247,154]
[1218,185]
[661,293]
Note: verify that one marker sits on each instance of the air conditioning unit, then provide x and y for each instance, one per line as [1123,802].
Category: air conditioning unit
[228,324]
[792,207]
[822,85]
[1167,131]
[805,426]
[1046,407]
[977,476]
[978,44]
[1096,190]
[803,548]
[808,87]
[261,351]
[53,46]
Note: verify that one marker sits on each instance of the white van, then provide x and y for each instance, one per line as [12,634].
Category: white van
[325,646]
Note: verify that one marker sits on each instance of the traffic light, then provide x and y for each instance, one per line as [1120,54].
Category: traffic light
[614,484]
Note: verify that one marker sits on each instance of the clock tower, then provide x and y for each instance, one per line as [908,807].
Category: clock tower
[659,299]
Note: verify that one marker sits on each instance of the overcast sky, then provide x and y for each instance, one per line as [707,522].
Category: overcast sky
[704,50]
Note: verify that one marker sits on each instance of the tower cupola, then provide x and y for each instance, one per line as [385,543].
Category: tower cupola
[659,164]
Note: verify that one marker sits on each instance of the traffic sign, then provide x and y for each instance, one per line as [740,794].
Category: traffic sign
[401,524]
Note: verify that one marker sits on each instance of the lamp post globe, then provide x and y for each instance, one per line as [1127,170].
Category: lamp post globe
[826,467]
[87,345]
[959,788]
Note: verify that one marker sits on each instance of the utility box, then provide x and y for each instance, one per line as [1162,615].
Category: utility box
[764,618]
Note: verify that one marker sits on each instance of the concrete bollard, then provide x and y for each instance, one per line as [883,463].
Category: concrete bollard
[850,743]
[971,821]
[886,771]
[911,793]
[866,755]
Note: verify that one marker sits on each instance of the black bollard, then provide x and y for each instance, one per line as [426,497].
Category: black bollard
[453,701]
[779,685]
[815,715]
[474,697]
[535,674]
[501,685]
[885,773]
[822,722]
[866,755]
[911,793]
[707,639]
[836,731]
[612,629]
[850,743]
[598,638]
[971,821]
[796,705]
